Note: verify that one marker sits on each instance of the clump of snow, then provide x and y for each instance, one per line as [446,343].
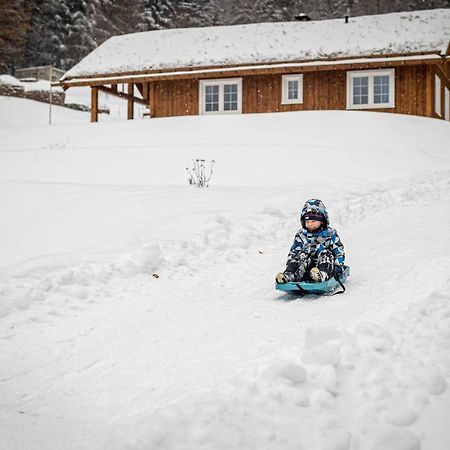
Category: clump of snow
[396,440]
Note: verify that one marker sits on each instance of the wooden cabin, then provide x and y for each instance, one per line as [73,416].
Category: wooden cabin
[397,63]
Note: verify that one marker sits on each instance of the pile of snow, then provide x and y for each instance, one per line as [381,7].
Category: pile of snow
[139,312]
[386,34]
[10,80]
[29,85]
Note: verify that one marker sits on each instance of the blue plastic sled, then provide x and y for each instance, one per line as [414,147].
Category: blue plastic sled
[309,287]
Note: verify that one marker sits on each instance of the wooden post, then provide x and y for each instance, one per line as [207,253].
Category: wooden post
[429,92]
[146,95]
[150,102]
[130,102]
[94,104]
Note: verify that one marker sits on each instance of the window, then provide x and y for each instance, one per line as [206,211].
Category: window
[221,96]
[371,89]
[437,95]
[292,89]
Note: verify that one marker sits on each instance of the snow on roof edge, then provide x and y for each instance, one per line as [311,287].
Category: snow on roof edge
[414,32]
[106,78]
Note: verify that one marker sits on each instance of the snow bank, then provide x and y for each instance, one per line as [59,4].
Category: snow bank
[161,149]
[364,388]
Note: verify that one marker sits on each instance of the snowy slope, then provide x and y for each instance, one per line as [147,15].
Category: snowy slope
[19,113]
[385,34]
[96,353]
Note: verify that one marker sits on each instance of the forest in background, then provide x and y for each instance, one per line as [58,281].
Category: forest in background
[62,32]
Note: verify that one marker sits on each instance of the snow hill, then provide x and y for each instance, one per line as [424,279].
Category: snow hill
[96,353]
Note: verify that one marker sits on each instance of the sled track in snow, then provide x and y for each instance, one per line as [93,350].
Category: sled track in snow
[217,244]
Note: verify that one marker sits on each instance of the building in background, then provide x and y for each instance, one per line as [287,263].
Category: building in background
[398,63]
[48,73]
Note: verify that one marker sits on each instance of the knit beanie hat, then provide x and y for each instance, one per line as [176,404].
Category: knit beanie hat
[314,215]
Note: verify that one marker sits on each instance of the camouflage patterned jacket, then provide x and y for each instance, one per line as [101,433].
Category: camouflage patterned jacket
[313,243]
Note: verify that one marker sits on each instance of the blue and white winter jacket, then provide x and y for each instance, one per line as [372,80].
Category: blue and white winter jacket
[312,243]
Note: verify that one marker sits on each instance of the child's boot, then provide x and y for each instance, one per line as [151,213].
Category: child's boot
[284,277]
[317,275]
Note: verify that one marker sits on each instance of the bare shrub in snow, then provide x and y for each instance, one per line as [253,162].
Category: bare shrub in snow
[200,174]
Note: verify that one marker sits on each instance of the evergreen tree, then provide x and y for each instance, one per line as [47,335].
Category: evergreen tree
[80,40]
[193,13]
[14,23]
[47,36]
[158,14]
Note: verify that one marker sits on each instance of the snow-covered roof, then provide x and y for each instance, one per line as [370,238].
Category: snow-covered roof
[386,34]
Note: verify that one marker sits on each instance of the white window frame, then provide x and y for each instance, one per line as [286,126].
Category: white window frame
[285,100]
[371,74]
[221,83]
[437,95]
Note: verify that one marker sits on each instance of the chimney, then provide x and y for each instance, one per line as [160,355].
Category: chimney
[302,17]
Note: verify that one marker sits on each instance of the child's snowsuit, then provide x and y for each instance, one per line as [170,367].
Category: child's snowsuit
[322,248]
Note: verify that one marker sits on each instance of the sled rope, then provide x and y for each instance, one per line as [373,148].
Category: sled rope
[340,284]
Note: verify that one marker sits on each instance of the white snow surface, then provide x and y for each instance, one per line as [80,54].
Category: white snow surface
[97,353]
[385,34]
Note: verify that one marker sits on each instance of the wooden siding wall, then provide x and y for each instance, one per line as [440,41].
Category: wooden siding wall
[174,98]
[321,90]
[325,90]
[411,90]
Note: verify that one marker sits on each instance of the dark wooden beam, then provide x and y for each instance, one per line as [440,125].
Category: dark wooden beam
[441,70]
[429,92]
[94,104]
[121,94]
[130,101]
[146,92]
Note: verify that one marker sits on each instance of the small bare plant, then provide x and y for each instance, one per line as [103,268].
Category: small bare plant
[200,174]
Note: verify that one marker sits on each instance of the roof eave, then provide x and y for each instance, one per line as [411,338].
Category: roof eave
[271,67]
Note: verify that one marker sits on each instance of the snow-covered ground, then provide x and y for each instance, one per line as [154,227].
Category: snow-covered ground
[97,353]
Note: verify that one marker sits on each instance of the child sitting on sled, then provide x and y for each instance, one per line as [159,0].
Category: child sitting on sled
[317,253]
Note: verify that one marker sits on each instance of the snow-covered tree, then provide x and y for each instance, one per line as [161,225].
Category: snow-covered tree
[80,37]
[158,14]
[47,36]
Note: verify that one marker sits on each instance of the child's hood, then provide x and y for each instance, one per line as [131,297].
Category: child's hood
[314,205]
